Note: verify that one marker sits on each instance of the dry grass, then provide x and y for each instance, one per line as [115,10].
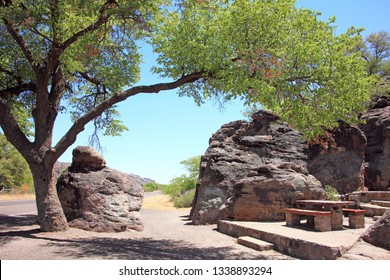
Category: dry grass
[160,202]
[8,196]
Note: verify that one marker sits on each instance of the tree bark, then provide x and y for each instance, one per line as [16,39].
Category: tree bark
[50,214]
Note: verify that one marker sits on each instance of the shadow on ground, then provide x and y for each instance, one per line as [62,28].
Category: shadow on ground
[112,248]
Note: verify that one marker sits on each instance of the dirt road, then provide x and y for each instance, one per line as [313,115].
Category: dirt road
[167,235]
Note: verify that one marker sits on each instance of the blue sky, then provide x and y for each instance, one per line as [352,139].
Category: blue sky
[165,129]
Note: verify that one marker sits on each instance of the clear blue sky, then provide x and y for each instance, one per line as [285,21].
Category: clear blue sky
[165,129]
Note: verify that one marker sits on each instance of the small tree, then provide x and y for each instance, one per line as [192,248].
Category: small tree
[78,56]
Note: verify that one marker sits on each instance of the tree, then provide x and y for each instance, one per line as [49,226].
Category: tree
[78,56]
[375,50]
[182,188]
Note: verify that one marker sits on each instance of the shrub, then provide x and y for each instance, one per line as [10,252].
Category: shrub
[332,193]
[184,200]
[152,186]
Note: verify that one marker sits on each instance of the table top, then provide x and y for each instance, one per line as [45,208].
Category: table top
[325,202]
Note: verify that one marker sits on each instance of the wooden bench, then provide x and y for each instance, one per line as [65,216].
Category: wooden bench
[355,217]
[322,220]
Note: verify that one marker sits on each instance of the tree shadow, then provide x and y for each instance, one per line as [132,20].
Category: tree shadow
[134,248]
[17,221]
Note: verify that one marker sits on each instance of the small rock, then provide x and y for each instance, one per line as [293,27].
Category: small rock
[86,159]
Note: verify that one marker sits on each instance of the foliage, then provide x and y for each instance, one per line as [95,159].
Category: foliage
[266,52]
[332,193]
[153,186]
[14,170]
[185,200]
[375,50]
[180,187]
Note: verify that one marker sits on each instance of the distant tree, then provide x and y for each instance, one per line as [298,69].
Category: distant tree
[82,57]
[182,188]
[14,171]
[375,50]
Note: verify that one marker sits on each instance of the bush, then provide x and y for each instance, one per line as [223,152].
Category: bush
[152,186]
[332,193]
[184,200]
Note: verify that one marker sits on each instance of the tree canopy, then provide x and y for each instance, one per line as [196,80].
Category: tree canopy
[266,52]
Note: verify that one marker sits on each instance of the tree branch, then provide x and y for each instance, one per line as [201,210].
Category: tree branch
[20,41]
[16,90]
[70,137]
[12,131]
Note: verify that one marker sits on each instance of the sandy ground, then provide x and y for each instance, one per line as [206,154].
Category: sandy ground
[167,235]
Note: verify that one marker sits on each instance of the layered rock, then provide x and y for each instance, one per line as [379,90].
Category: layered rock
[86,159]
[379,233]
[252,171]
[339,161]
[98,198]
[377,155]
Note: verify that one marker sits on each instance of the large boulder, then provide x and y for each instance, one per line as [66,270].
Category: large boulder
[252,171]
[377,156]
[103,200]
[338,159]
[379,233]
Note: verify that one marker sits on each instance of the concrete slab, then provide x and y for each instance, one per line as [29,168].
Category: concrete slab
[301,242]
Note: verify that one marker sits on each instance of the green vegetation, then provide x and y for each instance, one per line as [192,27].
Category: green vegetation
[376,52]
[82,57]
[182,188]
[14,171]
[332,193]
[152,186]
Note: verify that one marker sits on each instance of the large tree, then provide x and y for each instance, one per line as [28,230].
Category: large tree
[78,56]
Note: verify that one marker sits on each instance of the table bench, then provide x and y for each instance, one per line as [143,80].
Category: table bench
[322,220]
[355,217]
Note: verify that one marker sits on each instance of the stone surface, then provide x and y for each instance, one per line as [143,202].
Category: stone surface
[377,155]
[251,171]
[99,199]
[340,164]
[86,159]
[379,233]
[254,243]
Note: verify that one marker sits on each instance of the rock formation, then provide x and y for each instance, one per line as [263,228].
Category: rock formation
[377,155]
[86,159]
[379,233]
[251,171]
[98,198]
[339,160]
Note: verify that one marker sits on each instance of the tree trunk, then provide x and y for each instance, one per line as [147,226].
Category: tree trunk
[50,214]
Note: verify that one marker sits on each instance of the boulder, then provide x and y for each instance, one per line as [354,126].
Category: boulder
[337,160]
[252,171]
[379,233]
[377,155]
[103,200]
[86,159]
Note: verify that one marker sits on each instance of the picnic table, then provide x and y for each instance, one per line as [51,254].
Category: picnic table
[324,215]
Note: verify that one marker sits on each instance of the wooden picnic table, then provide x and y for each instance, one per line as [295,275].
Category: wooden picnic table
[335,207]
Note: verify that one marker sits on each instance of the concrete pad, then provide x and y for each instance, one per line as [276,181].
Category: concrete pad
[301,242]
